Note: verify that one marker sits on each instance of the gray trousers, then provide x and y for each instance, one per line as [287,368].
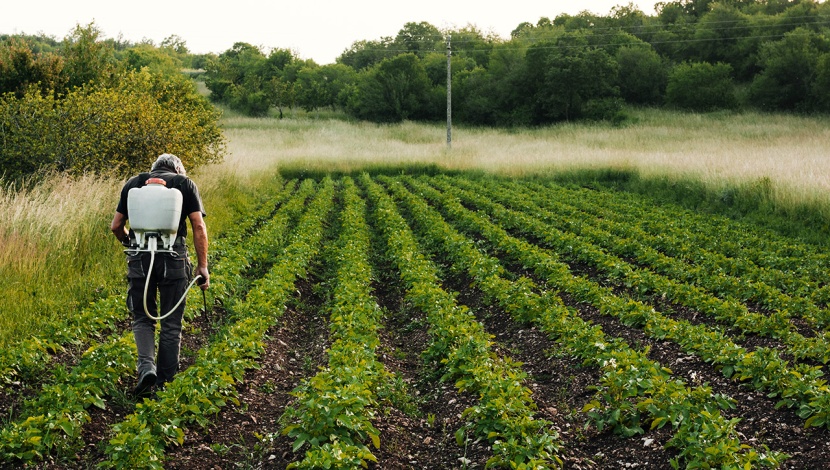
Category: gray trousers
[169,280]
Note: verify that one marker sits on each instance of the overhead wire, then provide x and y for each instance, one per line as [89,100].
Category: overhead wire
[612,31]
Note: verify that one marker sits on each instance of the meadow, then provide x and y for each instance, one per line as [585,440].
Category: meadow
[378,297]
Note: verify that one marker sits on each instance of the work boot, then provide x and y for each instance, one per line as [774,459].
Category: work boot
[145,385]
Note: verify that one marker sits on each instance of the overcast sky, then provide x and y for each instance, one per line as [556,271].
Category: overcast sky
[314,29]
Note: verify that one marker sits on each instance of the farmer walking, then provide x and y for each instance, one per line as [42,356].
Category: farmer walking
[170,276]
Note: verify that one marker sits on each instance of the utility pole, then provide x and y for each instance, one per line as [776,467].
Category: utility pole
[449,93]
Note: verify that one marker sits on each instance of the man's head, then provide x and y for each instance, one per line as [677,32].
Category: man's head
[168,161]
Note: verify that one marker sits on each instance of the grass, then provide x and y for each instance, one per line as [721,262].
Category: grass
[56,252]
[718,149]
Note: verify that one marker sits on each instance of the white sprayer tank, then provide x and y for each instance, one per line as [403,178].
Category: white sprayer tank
[154,208]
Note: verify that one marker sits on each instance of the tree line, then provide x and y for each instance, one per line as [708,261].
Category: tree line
[88,103]
[698,55]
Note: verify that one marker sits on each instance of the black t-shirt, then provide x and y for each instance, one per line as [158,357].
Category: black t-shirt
[191,201]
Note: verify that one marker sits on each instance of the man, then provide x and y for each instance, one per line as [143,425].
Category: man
[170,277]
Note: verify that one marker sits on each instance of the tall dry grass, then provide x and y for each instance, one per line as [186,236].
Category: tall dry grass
[56,252]
[719,149]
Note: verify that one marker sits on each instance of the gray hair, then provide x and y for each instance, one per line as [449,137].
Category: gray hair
[169,162]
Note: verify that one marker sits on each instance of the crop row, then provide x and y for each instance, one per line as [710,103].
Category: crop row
[504,414]
[204,388]
[799,386]
[748,246]
[334,409]
[51,421]
[737,279]
[632,386]
[596,248]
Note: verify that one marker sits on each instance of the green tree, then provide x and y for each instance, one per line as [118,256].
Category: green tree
[153,58]
[87,59]
[240,77]
[821,85]
[123,128]
[701,86]
[497,95]
[569,78]
[281,94]
[724,34]
[366,54]
[675,39]
[789,68]
[230,70]
[21,68]
[322,86]
[642,74]
[396,89]
[470,43]
[420,39]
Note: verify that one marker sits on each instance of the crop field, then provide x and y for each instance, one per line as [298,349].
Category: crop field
[453,321]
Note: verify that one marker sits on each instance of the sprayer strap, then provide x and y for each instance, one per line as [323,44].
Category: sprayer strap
[156,181]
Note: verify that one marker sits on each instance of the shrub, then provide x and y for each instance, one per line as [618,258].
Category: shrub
[701,87]
[121,128]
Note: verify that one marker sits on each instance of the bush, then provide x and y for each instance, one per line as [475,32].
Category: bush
[605,109]
[701,87]
[121,128]
[392,91]
[642,74]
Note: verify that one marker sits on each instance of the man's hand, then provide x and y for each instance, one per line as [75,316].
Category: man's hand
[204,282]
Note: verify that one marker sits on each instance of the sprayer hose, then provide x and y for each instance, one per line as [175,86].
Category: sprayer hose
[147,285]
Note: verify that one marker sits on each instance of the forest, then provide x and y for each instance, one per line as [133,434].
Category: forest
[697,55]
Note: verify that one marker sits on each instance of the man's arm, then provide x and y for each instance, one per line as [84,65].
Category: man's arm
[119,228]
[200,242]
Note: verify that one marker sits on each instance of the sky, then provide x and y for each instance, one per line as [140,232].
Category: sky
[313,29]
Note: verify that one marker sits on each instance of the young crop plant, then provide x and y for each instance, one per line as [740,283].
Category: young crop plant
[794,267]
[333,413]
[51,423]
[198,393]
[587,245]
[504,413]
[632,386]
[799,386]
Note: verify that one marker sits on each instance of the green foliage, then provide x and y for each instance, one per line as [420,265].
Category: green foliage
[87,58]
[21,68]
[790,67]
[102,129]
[565,77]
[642,74]
[420,39]
[701,87]
[157,60]
[365,54]
[723,36]
[570,68]
[394,90]
[82,109]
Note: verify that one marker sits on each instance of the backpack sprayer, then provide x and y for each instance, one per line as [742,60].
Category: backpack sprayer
[155,211]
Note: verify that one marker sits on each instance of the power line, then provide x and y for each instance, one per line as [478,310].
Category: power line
[592,45]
